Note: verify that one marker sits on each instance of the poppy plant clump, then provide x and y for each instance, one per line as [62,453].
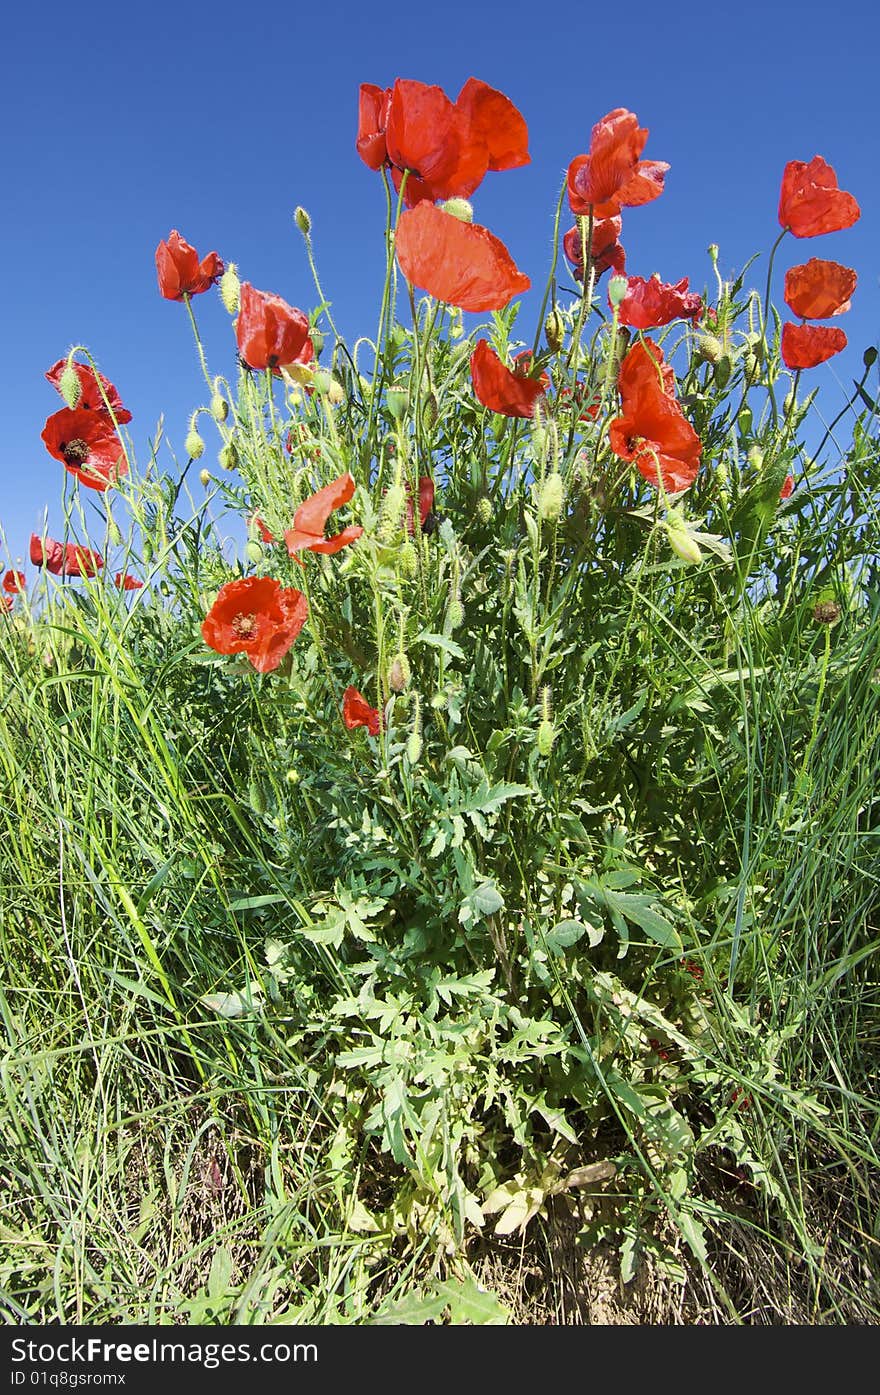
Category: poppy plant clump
[258,617]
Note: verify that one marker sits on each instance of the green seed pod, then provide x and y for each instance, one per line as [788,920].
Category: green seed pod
[826,613]
[69,385]
[397,400]
[302,220]
[219,407]
[257,796]
[554,331]
[617,287]
[317,339]
[194,445]
[460,209]
[484,510]
[551,497]
[230,288]
[227,456]
[292,777]
[254,552]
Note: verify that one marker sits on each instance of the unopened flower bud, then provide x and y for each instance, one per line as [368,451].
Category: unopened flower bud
[546,737]
[219,407]
[254,552]
[454,613]
[550,498]
[712,249]
[113,534]
[335,393]
[722,370]
[205,477]
[397,400]
[414,748]
[430,411]
[709,348]
[302,220]
[869,357]
[227,456]
[755,457]
[230,288]
[460,209]
[257,796]
[408,560]
[292,777]
[681,540]
[484,509]
[399,673]
[390,520]
[194,445]
[617,287]
[69,385]
[554,330]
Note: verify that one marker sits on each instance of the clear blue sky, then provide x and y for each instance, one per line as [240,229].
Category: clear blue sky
[122,121]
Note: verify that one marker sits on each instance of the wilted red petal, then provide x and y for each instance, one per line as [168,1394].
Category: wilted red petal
[810,202]
[311,517]
[460,263]
[81,561]
[819,289]
[655,436]
[373,103]
[496,121]
[806,346]
[646,185]
[335,544]
[258,617]
[87,445]
[498,388]
[357,712]
[787,487]
[90,396]
[14,582]
[648,304]
[179,270]
[269,332]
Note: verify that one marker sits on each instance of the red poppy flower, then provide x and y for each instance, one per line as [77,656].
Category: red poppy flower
[819,289]
[61,560]
[511,394]
[256,616]
[269,332]
[460,263]
[179,270]
[357,712]
[806,346]
[14,582]
[654,435]
[90,395]
[127,583]
[87,445]
[611,175]
[426,503]
[644,368]
[605,248]
[652,303]
[446,147]
[787,487]
[810,202]
[311,516]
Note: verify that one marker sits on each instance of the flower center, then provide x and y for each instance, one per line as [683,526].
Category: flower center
[75,452]
[244,626]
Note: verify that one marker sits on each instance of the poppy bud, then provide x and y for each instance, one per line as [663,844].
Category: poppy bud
[292,777]
[227,456]
[869,357]
[617,291]
[484,510]
[399,674]
[205,477]
[430,411]
[317,339]
[554,331]
[460,209]
[826,613]
[335,393]
[69,385]
[455,613]
[456,323]
[219,407]
[230,288]
[113,534]
[545,738]
[302,220]
[147,550]
[551,496]
[397,400]
[709,348]
[393,505]
[194,445]
[682,542]
[722,371]
[257,796]
[755,457]
[408,560]
[712,249]
[254,552]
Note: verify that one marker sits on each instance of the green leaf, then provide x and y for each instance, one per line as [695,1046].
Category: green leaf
[440,642]
[220,1273]
[640,912]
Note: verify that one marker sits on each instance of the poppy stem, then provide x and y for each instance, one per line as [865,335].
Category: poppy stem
[553,263]
[766,310]
[587,298]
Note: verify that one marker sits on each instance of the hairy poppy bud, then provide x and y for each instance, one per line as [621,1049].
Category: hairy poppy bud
[554,331]
[681,540]
[113,534]
[551,496]
[302,220]
[455,613]
[391,518]
[408,560]
[869,357]
[617,291]
[230,288]
[399,674]
[147,550]
[227,456]
[545,738]
[254,552]
[722,370]
[460,209]
[219,407]
[430,411]
[205,477]
[292,777]
[484,510]
[194,445]
[397,400]
[826,613]
[414,744]
[709,348]
[69,385]
[755,457]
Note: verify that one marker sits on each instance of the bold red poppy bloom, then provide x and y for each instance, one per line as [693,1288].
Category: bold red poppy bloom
[256,616]
[810,202]
[654,435]
[13,582]
[460,263]
[787,487]
[426,503]
[605,248]
[127,583]
[511,394]
[61,560]
[87,445]
[446,147]
[652,303]
[269,332]
[611,175]
[644,369]
[806,346]
[311,516]
[179,270]
[819,289]
[90,395]
[357,712]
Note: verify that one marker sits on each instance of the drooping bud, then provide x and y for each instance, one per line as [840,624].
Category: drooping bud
[69,384]
[205,477]
[194,445]
[681,540]
[869,357]
[399,673]
[391,517]
[554,330]
[460,209]
[709,349]
[335,393]
[408,560]
[257,796]
[551,496]
[302,220]
[230,288]
[722,370]
[484,509]
[254,552]
[219,407]
[617,287]
[113,534]
[454,613]
[227,456]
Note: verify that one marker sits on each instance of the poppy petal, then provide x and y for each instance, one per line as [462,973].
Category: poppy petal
[819,289]
[498,388]
[497,122]
[810,203]
[460,263]
[357,712]
[806,346]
